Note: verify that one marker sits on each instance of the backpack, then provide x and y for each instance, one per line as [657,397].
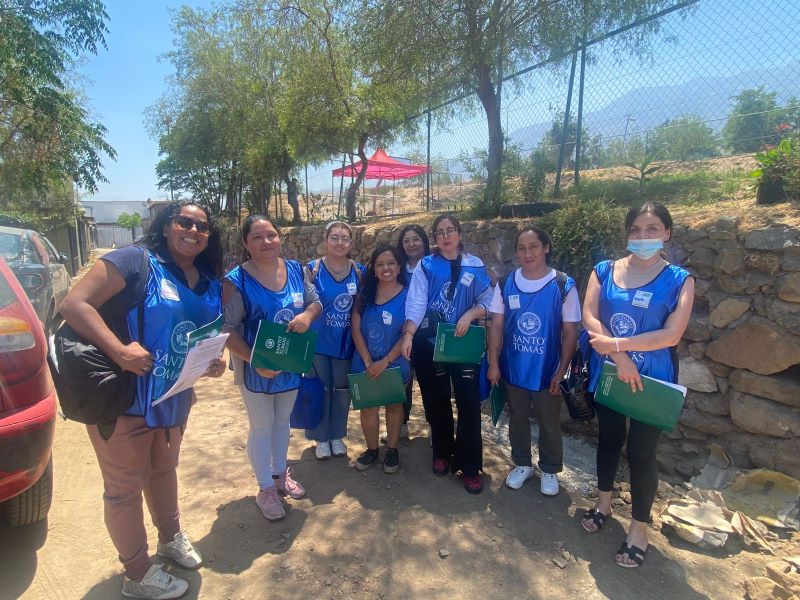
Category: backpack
[561,281]
[579,401]
[92,388]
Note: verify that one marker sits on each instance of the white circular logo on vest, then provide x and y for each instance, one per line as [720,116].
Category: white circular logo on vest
[284,315]
[374,332]
[343,302]
[529,323]
[443,293]
[622,325]
[178,339]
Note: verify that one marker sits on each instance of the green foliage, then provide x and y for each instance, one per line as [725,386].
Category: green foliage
[645,169]
[584,233]
[131,221]
[684,138]
[533,180]
[550,145]
[780,165]
[752,122]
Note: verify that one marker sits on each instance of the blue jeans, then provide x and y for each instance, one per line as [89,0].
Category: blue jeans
[333,373]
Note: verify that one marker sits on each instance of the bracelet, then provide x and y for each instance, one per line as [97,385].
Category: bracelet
[616,343]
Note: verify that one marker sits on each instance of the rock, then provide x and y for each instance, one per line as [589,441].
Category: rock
[727,223]
[764,588]
[786,314]
[624,486]
[758,415]
[625,497]
[285,564]
[720,234]
[730,261]
[720,370]
[697,350]
[701,287]
[791,264]
[771,238]
[328,582]
[559,562]
[788,287]
[695,375]
[693,235]
[697,330]
[710,404]
[780,389]
[758,345]
[776,454]
[693,419]
[748,283]
[702,260]
[764,262]
[728,311]
[566,555]
[443,553]
[723,384]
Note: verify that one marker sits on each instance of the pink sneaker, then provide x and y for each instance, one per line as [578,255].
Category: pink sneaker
[270,504]
[288,486]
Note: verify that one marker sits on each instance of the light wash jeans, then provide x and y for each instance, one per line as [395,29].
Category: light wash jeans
[336,406]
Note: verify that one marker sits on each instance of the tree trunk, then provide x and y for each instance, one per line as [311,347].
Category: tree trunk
[491,105]
[352,190]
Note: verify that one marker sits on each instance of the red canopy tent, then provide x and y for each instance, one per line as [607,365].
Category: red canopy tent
[382,166]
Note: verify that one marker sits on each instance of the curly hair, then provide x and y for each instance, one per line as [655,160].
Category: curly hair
[210,258]
[369,283]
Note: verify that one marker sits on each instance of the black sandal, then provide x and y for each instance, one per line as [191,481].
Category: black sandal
[634,553]
[598,518]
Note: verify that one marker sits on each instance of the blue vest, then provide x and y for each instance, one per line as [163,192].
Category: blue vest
[628,312]
[471,283]
[532,334]
[381,327]
[171,310]
[333,325]
[262,304]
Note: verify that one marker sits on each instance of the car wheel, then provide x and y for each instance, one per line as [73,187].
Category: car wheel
[33,504]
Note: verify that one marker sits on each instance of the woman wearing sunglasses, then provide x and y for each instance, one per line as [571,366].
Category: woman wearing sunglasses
[138,453]
[449,286]
[336,278]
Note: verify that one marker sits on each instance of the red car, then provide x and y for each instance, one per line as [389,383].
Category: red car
[27,408]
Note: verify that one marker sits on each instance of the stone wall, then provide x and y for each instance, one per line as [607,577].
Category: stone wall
[740,356]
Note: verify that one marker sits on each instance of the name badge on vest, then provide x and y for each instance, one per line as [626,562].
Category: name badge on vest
[169,291]
[642,299]
[387,317]
[352,288]
[466,279]
[513,301]
[297,299]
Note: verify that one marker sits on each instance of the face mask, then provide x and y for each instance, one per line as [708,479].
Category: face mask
[645,249]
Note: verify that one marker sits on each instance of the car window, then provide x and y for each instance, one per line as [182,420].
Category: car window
[51,251]
[6,294]
[10,246]
[40,249]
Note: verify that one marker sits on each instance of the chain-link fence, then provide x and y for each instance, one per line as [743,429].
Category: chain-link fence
[721,79]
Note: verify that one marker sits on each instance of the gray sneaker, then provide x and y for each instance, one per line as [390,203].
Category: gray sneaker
[181,550]
[156,585]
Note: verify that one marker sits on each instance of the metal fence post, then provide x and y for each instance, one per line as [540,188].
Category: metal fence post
[565,129]
[579,132]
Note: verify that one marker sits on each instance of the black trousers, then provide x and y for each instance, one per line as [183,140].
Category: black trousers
[641,441]
[459,444]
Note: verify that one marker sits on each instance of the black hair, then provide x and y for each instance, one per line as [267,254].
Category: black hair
[369,283]
[248,225]
[420,232]
[658,210]
[541,234]
[210,258]
[455,265]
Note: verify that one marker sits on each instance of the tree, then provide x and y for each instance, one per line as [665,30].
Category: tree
[752,121]
[684,138]
[47,139]
[131,221]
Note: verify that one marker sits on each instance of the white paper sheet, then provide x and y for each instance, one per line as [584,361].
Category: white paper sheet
[197,361]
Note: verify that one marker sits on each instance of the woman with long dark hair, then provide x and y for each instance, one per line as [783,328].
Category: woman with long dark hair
[138,453]
[636,310]
[449,286]
[267,287]
[378,317]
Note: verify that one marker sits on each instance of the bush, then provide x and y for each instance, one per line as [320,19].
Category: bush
[584,233]
[533,179]
[778,176]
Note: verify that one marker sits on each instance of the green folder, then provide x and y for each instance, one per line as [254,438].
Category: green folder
[659,405]
[498,401]
[276,349]
[467,349]
[387,389]
[207,331]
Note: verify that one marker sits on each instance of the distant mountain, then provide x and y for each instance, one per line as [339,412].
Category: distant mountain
[710,98]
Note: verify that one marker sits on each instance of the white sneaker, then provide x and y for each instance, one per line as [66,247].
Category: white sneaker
[549,484]
[323,450]
[157,584]
[181,550]
[338,448]
[518,476]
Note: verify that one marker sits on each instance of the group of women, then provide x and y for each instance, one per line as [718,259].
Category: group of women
[370,319]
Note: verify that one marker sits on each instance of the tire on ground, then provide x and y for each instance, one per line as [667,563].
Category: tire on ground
[33,504]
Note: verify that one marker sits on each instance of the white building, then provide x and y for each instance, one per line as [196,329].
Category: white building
[108,211]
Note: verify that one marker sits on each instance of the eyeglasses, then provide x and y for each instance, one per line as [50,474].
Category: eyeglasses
[335,239]
[185,223]
[440,233]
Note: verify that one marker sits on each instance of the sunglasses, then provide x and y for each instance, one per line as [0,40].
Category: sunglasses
[186,224]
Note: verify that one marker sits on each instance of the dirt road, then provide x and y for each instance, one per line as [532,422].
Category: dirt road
[355,535]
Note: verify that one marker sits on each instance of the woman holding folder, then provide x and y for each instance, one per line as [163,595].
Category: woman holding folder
[636,310]
[378,317]
[449,286]
[267,287]
[532,337]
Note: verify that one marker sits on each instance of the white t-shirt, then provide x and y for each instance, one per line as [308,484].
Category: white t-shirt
[572,306]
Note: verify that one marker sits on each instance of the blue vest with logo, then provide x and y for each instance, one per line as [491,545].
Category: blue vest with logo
[262,304]
[628,312]
[532,334]
[171,311]
[471,283]
[337,297]
[381,327]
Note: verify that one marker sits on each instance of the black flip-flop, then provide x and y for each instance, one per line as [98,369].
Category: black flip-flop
[634,553]
[598,518]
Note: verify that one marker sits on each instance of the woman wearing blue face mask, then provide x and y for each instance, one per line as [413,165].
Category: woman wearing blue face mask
[636,310]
